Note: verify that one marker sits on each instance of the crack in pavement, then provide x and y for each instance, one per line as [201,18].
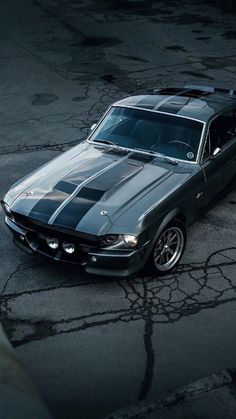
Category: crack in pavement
[150,359]
[8,279]
[40,147]
[80,121]
[187,291]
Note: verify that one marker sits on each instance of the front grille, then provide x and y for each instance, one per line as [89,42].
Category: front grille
[58,231]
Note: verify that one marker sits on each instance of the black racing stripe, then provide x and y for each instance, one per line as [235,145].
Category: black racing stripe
[78,207]
[87,170]
[89,195]
[171,104]
[182,97]
[148,102]
[65,187]
[174,105]
[170,108]
[47,205]
[192,96]
[109,179]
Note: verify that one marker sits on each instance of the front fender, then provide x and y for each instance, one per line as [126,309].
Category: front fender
[173,214]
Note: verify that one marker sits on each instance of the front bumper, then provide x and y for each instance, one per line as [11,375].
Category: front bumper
[118,263]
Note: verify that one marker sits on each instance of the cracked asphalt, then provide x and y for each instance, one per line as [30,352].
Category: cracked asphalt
[94,345]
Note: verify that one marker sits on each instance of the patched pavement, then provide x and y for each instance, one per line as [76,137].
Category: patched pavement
[211,397]
[94,345]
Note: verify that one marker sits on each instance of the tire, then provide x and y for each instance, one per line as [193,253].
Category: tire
[168,249]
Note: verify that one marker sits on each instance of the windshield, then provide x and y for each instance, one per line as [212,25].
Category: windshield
[170,135]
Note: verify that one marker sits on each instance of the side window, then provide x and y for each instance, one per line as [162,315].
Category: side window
[222,130]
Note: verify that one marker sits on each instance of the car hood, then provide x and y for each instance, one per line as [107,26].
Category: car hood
[89,187]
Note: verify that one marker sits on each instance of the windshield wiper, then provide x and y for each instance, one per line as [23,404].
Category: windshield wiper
[167,159]
[155,153]
[107,142]
[141,150]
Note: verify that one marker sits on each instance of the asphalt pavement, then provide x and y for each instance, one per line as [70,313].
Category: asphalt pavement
[211,397]
[95,345]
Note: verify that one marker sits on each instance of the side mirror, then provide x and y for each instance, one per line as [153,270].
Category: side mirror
[216,151]
[93,127]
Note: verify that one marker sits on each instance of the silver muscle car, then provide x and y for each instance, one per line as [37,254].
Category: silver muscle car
[122,199]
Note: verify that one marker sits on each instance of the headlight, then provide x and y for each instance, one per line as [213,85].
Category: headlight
[126,239]
[111,239]
[130,240]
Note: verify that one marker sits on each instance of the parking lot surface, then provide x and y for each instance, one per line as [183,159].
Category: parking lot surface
[94,345]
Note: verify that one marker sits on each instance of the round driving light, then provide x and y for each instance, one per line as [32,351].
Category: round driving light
[52,243]
[130,241]
[68,248]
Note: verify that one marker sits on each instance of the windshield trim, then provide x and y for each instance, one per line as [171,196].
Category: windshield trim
[157,111]
[146,151]
[139,151]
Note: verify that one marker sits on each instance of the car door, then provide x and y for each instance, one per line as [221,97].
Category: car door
[219,156]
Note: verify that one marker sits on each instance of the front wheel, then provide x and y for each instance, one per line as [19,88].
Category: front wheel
[168,249]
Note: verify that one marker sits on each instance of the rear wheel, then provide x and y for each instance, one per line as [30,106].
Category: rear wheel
[168,249]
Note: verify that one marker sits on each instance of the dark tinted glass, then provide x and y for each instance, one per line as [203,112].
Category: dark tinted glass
[171,135]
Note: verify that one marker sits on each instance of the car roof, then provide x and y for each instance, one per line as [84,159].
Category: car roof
[196,102]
